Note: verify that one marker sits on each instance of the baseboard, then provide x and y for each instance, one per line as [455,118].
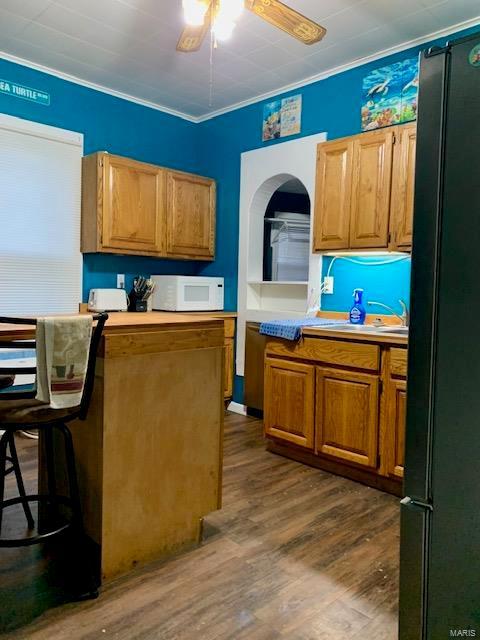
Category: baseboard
[236,407]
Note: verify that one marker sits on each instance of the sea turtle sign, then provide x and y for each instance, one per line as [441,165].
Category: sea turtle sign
[25,93]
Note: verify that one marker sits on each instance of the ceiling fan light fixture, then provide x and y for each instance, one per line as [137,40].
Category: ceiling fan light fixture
[231,9]
[194,12]
[219,17]
[223,29]
[228,12]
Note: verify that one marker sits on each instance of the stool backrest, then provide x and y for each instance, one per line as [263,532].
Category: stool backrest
[20,343]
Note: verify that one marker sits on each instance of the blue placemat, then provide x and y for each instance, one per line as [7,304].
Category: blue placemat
[292,329]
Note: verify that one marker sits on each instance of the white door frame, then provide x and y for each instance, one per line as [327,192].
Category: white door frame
[262,172]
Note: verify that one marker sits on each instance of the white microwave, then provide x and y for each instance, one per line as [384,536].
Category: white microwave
[187,293]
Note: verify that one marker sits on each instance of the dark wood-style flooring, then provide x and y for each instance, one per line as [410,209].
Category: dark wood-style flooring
[295,553]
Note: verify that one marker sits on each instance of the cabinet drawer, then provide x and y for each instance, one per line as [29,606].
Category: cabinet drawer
[398,362]
[334,352]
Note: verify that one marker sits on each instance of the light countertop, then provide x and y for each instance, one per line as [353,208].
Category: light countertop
[120,322]
[378,337]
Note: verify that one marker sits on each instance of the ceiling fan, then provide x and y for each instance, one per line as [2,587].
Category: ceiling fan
[221,15]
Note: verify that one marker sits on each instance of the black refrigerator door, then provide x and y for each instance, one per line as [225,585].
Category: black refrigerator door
[440,547]
[453,599]
[415,521]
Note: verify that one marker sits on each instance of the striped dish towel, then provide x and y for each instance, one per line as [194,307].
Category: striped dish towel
[292,329]
[63,344]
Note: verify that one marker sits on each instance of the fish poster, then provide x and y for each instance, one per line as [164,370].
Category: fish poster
[390,95]
[282,118]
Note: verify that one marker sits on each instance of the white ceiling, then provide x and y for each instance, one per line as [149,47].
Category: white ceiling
[128,46]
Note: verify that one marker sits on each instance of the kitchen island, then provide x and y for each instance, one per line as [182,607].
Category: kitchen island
[149,455]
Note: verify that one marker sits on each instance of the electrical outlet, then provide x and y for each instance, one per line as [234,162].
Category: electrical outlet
[120,281]
[328,284]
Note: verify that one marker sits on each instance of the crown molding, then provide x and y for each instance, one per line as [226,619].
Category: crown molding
[96,87]
[258,98]
[345,67]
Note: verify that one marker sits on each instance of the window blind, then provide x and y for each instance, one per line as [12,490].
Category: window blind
[40,191]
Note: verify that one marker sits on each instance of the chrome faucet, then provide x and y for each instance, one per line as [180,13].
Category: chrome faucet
[404,318]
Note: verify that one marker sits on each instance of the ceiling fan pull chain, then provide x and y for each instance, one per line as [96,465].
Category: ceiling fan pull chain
[213,45]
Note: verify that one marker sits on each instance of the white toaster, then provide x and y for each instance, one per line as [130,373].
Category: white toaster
[107,300]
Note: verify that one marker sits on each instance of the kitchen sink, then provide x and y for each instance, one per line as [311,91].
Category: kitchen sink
[369,328]
[363,328]
[401,331]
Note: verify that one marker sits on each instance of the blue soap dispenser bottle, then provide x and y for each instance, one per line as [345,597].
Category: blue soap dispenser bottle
[357,312]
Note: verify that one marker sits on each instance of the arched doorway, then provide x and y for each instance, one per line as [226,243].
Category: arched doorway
[286,238]
[265,171]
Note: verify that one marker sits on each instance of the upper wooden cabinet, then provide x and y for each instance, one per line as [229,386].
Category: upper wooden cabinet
[370,204]
[403,188]
[190,215]
[332,198]
[133,195]
[364,191]
[132,207]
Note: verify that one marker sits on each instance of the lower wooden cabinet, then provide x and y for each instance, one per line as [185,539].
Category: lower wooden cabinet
[394,436]
[289,411]
[347,415]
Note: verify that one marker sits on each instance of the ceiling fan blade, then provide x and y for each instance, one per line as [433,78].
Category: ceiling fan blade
[192,38]
[287,19]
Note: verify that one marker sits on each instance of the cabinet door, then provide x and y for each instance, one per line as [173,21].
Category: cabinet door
[289,401]
[190,216]
[228,391]
[332,195]
[347,411]
[394,436]
[371,185]
[403,186]
[133,197]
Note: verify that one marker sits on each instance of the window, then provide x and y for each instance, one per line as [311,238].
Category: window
[40,192]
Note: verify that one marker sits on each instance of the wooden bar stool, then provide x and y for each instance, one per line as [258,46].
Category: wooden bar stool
[5,382]
[19,410]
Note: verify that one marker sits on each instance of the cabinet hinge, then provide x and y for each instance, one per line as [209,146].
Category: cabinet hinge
[380,386]
[394,139]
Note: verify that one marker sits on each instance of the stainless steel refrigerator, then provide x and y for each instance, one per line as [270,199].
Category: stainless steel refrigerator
[440,514]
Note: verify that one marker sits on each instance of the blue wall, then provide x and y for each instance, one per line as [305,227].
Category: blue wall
[212,148]
[381,282]
[118,126]
[331,105]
